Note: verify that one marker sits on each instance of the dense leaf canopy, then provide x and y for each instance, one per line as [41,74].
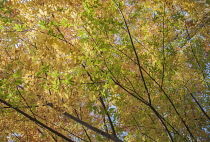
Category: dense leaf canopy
[104,70]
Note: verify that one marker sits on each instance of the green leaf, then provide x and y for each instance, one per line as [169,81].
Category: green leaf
[17,74]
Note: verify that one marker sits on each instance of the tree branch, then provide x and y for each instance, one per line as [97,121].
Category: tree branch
[109,118]
[135,52]
[36,121]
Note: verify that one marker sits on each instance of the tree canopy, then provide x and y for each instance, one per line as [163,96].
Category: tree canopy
[104,70]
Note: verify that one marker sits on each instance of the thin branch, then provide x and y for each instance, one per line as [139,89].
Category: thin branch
[109,118]
[163,42]
[102,102]
[55,37]
[135,52]
[171,102]
[196,59]
[196,101]
[105,126]
[25,101]
[83,126]
[123,87]
[140,129]
[162,122]
[54,138]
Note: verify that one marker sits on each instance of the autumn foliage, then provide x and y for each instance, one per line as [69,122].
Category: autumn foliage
[104,70]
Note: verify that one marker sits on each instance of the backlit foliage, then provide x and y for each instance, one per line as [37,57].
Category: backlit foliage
[138,70]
